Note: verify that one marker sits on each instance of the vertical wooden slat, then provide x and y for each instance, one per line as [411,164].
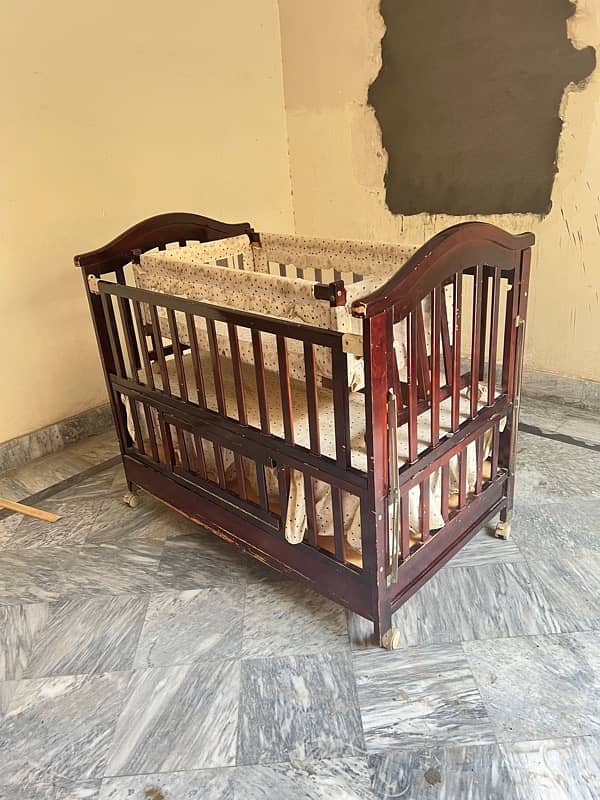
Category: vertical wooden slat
[196,361]
[283,484]
[113,334]
[424,380]
[286,389]
[338,523]
[446,346]
[312,404]
[495,443]
[261,386]
[127,319]
[130,341]
[479,464]
[445,491]
[424,498]
[159,350]
[263,498]
[183,449]
[456,344]
[436,309]
[167,439]
[143,344]
[151,433]
[238,379]
[311,511]
[216,365]
[475,337]
[483,321]
[240,476]
[462,478]
[341,411]
[411,330]
[493,338]
[404,528]
[218,453]
[510,335]
[178,353]
[200,459]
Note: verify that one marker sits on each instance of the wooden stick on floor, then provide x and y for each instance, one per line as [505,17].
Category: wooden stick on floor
[46,516]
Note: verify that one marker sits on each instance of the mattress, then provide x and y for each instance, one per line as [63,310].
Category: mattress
[296,520]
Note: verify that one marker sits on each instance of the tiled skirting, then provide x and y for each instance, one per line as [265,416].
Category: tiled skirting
[566,391]
[24,449]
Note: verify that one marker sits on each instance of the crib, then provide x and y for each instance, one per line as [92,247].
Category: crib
[345,412]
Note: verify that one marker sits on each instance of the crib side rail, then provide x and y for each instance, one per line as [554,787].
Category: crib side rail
[458,399]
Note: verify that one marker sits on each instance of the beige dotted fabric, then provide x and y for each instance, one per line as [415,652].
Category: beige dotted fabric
[342,255]
[296,519]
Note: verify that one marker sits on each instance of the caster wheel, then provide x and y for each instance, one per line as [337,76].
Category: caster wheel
[131,499]
[391,639]
[503,530]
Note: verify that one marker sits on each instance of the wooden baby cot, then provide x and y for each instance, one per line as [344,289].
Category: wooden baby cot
[456,308]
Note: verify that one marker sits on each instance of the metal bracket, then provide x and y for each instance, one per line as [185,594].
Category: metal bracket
[519,320]
[352,343]
[93,281]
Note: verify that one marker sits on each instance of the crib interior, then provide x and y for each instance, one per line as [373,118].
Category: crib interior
[450,366]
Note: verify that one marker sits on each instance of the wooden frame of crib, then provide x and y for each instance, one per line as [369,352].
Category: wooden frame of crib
[393,565]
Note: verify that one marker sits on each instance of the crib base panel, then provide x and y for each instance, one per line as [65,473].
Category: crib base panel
[344,585]
[349,588]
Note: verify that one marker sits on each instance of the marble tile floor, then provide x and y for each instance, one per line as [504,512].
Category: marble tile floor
[141,658]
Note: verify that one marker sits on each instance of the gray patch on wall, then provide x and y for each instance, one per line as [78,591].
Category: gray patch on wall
[468,102]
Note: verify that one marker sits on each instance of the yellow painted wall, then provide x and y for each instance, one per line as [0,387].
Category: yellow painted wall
[331,53]
[112,112]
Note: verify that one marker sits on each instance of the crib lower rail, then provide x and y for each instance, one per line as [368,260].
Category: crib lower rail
[427,560]
[342,583]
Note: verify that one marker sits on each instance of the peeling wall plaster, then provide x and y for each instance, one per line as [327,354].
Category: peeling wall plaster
[468,102]
[331,55]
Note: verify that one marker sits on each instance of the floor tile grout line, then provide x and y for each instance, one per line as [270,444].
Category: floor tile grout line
[67,483]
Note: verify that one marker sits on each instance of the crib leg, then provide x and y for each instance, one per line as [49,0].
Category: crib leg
[504,526]
[131,497]
[386,635]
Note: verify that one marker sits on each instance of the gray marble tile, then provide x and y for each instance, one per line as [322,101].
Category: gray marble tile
[11,487]
[419,697]
[328,779]
[298,707]
[581,425]
[178,718]
[539,687]
[484,548]
[453,773]
[205,784]
[109,569]
[60,728]
[288,618]
[561,529]
[87,634]
[464,603]
[19,628]
[546,415]
[196,625]
[561,769]
[57,790]
[202,559]
[546,468]
[117,524]
[29,575]
[572,588]
[97,448]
